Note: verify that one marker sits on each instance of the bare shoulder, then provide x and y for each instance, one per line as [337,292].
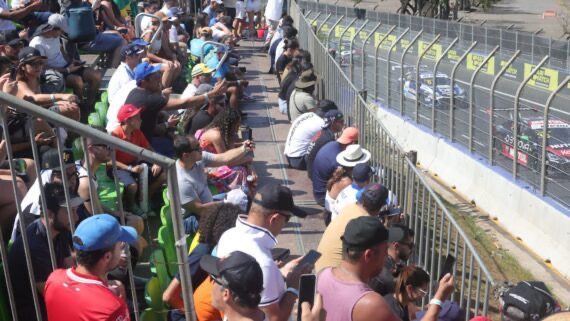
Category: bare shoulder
[372,307]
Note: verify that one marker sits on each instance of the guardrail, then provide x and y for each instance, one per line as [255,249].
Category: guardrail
[85,132]
[464,85]
[436,231]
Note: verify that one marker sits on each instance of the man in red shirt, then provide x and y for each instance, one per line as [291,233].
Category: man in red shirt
[83,292]
[128,165]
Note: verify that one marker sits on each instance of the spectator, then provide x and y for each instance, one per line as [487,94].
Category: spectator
[334,123]
[210,9]
[411,287]
[271,209]
[291,47]
[285,20]
[131,56]
[230,74]
[330,246]
[197,47]
[326,162]
[99,153]
[201,74]
[128,165]
[191,163]
[10,42]
[150,7]
[8,210]
[160,50]
[361,175]
[98,242]
[221,134]
[290,76]
[31,62]
[273,12]
[108,17]
[57,221]
[238,284]
[339,180]
[147,93]
[239,17]
[75,73]
[51,172]
[302,100]
[299,137]
[346,295]
[216,221]
[289,32]
[207,113]
[252,8]
[398,254]
[220,12]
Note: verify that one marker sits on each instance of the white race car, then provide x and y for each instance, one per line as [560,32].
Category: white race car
[442,89]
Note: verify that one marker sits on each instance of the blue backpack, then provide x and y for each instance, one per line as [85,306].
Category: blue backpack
[81,23]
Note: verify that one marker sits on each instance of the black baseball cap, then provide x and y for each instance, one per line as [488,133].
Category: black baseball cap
[55,196]
[278,197]
[11,38]
[50,159]
[239,271]
[367,231]
[29,54]
[362,172]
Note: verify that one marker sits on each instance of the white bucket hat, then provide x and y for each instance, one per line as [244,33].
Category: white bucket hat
[352,156]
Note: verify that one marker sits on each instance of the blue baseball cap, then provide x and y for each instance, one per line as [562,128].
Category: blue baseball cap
[139,42]
[101,231]
[145,69]
[131,49]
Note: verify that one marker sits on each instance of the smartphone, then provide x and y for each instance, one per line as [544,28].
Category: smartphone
[447,266]
[307,288]
[310,258]
[13,72]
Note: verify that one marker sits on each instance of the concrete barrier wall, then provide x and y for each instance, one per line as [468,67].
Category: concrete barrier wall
[543,227]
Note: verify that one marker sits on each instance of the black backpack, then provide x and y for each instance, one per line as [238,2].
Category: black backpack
[527,301]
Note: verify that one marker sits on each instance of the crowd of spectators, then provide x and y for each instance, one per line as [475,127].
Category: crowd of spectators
[174,93]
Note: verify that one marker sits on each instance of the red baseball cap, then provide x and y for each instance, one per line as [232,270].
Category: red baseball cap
[349,136]
[127,111]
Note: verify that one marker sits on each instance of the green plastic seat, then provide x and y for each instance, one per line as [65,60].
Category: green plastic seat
[106,188]
[151,315]
[95,120]
[166,242]
[165,218]
[159,268]
[105,98]
[165,197]
[153,294]
[5,312]
[77,149]
[101,109]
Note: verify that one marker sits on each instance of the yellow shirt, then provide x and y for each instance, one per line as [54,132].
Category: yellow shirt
[331,245]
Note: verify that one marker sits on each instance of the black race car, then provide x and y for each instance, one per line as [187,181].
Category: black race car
[531,131]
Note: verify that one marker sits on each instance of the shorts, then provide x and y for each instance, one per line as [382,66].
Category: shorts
[252,6]
[104,42]
[240,10]
[125,177]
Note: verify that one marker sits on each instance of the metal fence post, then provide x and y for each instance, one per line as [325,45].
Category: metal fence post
[315,18]
[364,54]
[516,114]
[388,65]
[180,244]
[322,24]
[492,102]
[416,37]
[437,62]
[376,61]
[545,132]
[352,45]
[452,83]
[472,91]
[332,30]
[420,56]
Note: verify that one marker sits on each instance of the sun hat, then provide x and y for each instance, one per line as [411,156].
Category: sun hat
[306,79]
[353,155]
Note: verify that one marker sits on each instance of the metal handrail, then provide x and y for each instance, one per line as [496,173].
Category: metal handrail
[138,30]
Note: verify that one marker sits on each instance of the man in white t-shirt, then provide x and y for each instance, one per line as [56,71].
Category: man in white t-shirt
[201,74]
[131,56]
[299,138]
[255,234]
[76,74]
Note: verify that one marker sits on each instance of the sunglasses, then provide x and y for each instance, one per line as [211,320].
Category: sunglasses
[217,281]
[287,217]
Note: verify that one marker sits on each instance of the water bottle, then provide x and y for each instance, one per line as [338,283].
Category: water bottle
[173,35]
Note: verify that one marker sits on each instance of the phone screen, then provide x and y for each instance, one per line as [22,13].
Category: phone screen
[13,72]
[307,287]
[310,258]
[447,266]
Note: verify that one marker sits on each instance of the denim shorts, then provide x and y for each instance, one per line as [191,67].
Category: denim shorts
[104,42]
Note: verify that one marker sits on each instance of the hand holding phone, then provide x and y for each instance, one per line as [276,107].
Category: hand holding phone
[447,266]
[307,289]
[309,259]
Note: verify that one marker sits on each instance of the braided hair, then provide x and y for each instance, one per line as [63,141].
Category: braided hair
[226,122]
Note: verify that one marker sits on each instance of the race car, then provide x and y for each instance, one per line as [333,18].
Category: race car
[531,130]
[442,89]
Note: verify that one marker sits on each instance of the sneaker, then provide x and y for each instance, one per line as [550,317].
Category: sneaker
[135,209]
